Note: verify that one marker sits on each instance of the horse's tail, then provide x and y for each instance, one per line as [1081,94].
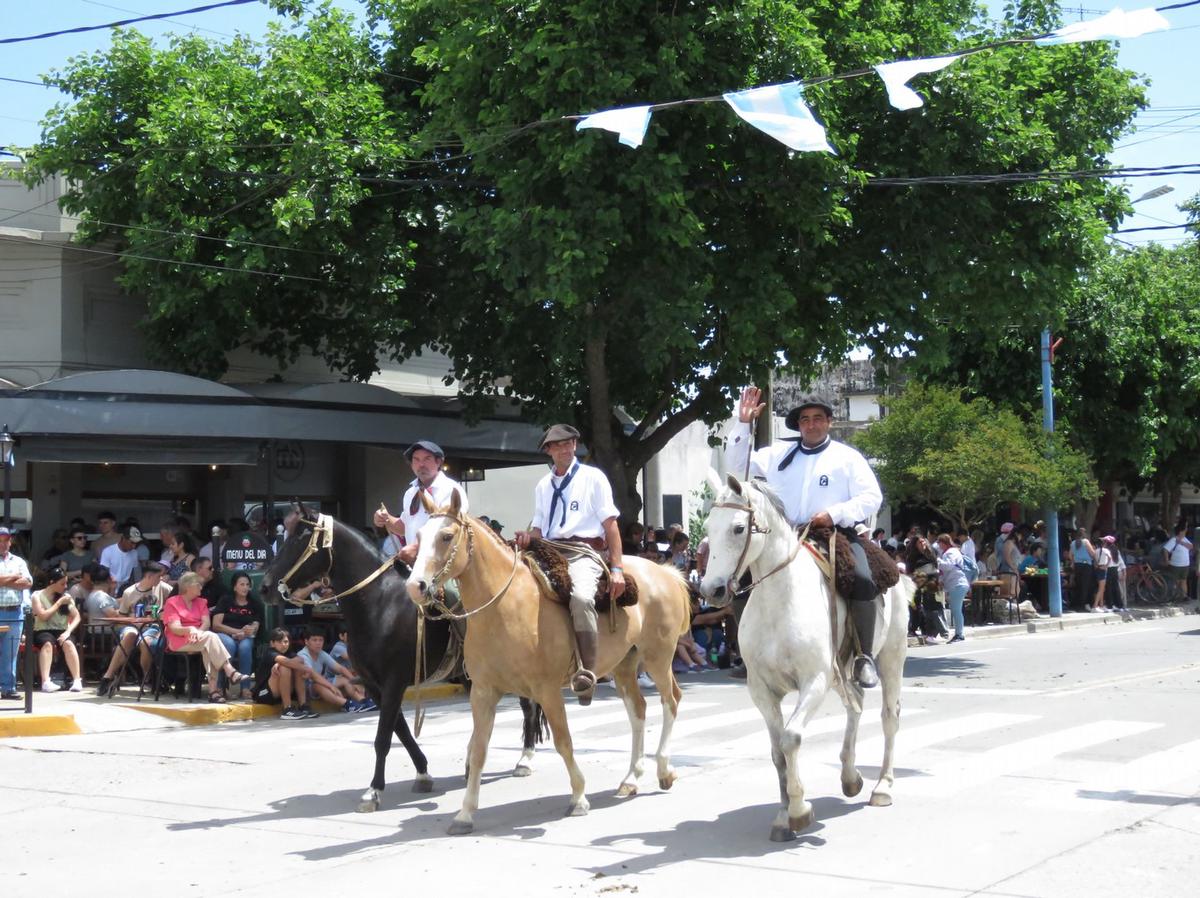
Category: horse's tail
[536,728]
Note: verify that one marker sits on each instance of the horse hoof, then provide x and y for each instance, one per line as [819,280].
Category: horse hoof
[852,789]
[666,782]
[423,784]
[782,834]
[578,810]
[460,828]
[801,823]
[522,770]
[626,790]
[370,806]
[880,800]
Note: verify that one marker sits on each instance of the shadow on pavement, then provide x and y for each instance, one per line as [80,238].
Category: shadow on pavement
[333,804]
[919,666]
[1131,797]
[1189,633]
[742,833]
[522,819]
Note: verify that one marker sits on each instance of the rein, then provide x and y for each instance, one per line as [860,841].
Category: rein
[445,613]
[322,540]
[827,568]
[750,532]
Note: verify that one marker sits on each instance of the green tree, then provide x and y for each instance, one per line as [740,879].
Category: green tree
[963,458]
[1127,376]
[237,182]
[569,272]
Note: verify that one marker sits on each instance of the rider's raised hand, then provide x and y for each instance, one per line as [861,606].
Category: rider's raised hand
[750,406]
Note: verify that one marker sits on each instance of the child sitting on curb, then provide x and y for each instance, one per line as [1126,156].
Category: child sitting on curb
[280,676]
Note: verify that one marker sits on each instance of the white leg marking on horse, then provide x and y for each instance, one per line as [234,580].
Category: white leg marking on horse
[524,763]
[626,682]
[369,803]
[422,782]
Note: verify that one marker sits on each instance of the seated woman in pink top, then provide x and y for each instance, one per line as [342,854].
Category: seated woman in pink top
[188,629]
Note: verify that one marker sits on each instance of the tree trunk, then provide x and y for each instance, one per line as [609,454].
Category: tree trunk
[1170,497]
[1085,513]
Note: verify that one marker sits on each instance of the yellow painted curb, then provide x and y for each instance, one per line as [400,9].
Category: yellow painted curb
[205,715]
[434,692]
[39,725]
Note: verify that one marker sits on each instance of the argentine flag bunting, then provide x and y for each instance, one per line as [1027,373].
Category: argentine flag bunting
[629,123]
[1111,26]
[779,110]
[896,76]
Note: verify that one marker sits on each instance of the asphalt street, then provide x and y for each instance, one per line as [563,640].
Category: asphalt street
[1048,765]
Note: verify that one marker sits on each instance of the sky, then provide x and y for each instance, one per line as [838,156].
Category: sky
[1168,130]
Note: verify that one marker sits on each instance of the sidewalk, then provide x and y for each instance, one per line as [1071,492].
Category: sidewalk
[1069,620]
[71,713]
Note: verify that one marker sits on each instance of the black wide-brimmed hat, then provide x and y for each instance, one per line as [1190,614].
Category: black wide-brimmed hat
[792,421]
[558,432]
[432,448]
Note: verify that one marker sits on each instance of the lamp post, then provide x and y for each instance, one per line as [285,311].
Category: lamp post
[6,454]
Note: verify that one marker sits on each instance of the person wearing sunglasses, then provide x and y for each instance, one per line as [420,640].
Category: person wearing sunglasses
[77,557]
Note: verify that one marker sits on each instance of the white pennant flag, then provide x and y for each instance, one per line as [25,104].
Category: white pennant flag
[896,76]
[1111,26]
[779,110]
[629,123]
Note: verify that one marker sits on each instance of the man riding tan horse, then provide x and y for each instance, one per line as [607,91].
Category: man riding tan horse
[520,638]
[574,504]
[824,483]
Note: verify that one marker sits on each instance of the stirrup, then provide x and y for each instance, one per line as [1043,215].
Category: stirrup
[864,672]
[583,684]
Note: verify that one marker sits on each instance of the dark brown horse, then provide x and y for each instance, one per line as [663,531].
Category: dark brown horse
[382,624]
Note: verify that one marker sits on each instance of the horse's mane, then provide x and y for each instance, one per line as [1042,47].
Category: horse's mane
[357,536]
[772,497]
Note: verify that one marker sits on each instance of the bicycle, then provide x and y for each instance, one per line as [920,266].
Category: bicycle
[1145,585]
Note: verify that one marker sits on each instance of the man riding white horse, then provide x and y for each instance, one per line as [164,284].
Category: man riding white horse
[426,459]
[822,482]
[574,503]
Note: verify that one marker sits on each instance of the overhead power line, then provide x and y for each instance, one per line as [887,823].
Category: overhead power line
[134,21]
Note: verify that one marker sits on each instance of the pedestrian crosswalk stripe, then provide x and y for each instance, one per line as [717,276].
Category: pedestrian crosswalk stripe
[961,773]
[914,691]
[913,739]
[757,744]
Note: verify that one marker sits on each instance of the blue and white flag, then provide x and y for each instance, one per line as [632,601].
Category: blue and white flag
[629,123]
[779,110]
[896,76]
[1111,26]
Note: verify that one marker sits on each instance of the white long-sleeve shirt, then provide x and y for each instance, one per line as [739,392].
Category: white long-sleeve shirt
[837,479]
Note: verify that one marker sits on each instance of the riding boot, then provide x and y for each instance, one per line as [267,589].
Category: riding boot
[863,615]
[583,684]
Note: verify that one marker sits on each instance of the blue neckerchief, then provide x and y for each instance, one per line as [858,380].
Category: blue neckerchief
[560,492]
[800,447]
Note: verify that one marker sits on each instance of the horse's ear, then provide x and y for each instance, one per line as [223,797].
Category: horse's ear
[298,507]
[427,503]
[734,484]
[455,502]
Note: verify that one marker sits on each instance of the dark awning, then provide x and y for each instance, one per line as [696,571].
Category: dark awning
[156,417]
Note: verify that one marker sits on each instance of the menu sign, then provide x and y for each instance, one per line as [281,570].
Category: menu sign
[245,552]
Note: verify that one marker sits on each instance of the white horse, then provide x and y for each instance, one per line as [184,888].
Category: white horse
[787,639]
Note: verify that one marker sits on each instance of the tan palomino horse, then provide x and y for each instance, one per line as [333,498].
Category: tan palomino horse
[520,641]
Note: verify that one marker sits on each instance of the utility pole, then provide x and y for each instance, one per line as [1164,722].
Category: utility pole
[1053,558]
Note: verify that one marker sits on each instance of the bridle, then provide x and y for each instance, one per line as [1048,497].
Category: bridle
[465,536]
[753,529]
[321,540]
